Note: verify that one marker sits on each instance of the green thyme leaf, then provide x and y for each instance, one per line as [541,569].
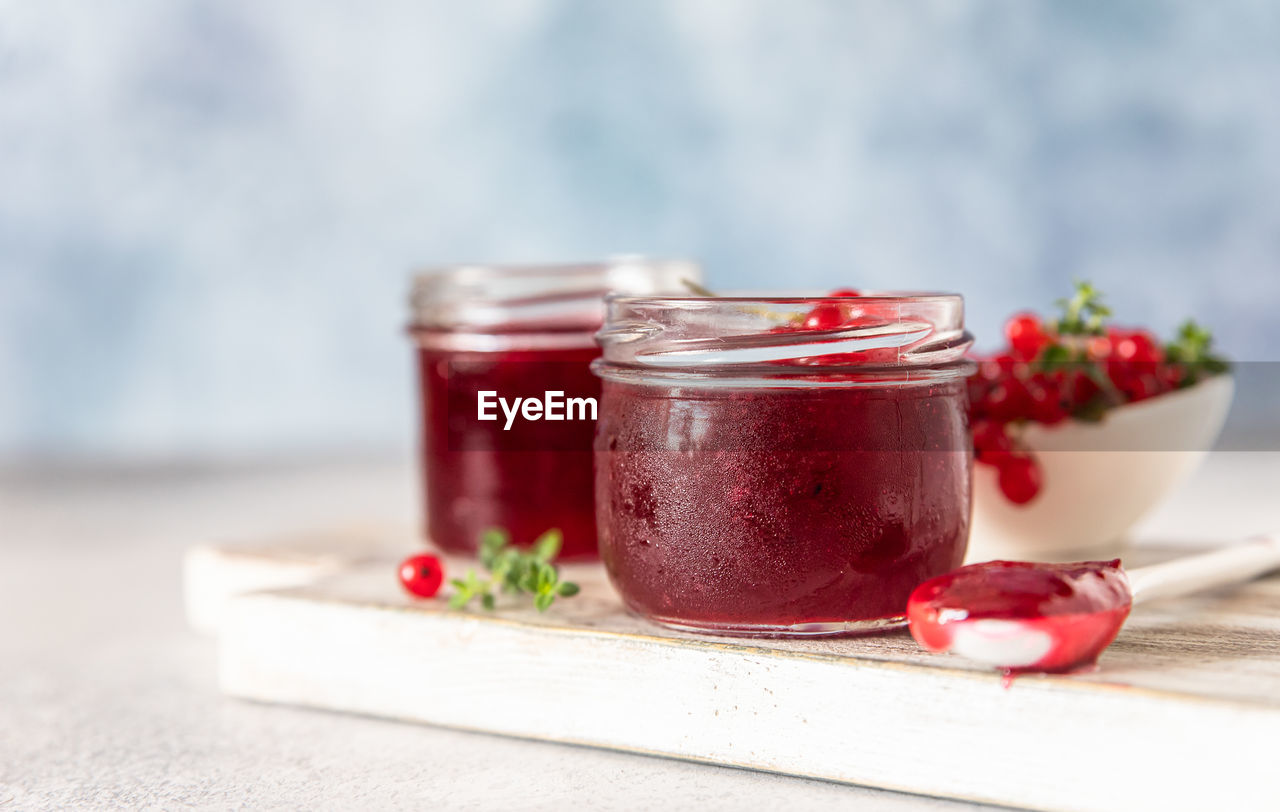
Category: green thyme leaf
[514,571]
[547,547]
[568,589]
[1192,349]
[1053,355]
[1084,313]
[491,542]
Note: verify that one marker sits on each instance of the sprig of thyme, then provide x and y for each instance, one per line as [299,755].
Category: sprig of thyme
[514,571]
[1082,314]
[1193,349]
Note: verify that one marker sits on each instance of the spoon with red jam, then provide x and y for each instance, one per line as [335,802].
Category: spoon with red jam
[1021,616]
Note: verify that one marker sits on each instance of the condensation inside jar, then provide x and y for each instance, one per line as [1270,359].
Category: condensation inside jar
[755,476]
[515,332]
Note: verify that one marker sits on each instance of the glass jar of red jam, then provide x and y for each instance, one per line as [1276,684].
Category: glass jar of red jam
[516,332]
[784,466]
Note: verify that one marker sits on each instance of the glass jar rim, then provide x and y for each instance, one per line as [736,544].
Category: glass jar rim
[513,297]
[879,335]
[809,299]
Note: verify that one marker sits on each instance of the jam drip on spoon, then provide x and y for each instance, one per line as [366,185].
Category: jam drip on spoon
[1023,616]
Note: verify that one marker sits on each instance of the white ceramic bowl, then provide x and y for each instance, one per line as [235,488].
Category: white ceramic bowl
[1099,478]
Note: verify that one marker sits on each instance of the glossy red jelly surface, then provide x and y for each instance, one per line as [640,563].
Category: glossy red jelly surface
[533,477]
[758,508]
[1077,608]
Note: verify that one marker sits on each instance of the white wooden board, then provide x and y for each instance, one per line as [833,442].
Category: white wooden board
[1183,713]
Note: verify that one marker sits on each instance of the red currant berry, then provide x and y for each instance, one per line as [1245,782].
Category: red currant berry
[1098,348]
[1046,402]
[1010,365]
[1172,375]
[824,317]
[1008,400]
[422,575]
[1138,347]
[990,442]
[1019,478]
[845,292]
[1026,335]
[1080,389]
[1142,386]
[989,370]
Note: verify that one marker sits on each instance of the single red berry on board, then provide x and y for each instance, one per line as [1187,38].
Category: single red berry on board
[1019,478]
[422,575]
[824,317]
[1026,335]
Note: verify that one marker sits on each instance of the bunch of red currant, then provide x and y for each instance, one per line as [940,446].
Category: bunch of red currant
[1076,366]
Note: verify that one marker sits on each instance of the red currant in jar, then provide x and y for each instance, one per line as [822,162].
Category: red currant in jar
[1026,335]
[1019,478]
[824,317]
[421,575]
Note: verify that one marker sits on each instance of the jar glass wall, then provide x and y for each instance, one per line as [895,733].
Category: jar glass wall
[518,332]
[781,466]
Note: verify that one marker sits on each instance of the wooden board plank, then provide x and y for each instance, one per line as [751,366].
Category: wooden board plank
[1182,712]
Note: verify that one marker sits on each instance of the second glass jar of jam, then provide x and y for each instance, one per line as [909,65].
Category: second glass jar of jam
[785,466]
[515,332]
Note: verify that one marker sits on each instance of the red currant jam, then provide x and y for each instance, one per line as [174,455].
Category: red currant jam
[1066,614]
[528,478]
[776,498]
[508,397]
[781,508]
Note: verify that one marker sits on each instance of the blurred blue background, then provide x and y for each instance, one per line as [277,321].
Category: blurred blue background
[209,210]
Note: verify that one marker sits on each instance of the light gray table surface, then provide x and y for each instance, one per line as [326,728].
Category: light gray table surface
[107,700]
